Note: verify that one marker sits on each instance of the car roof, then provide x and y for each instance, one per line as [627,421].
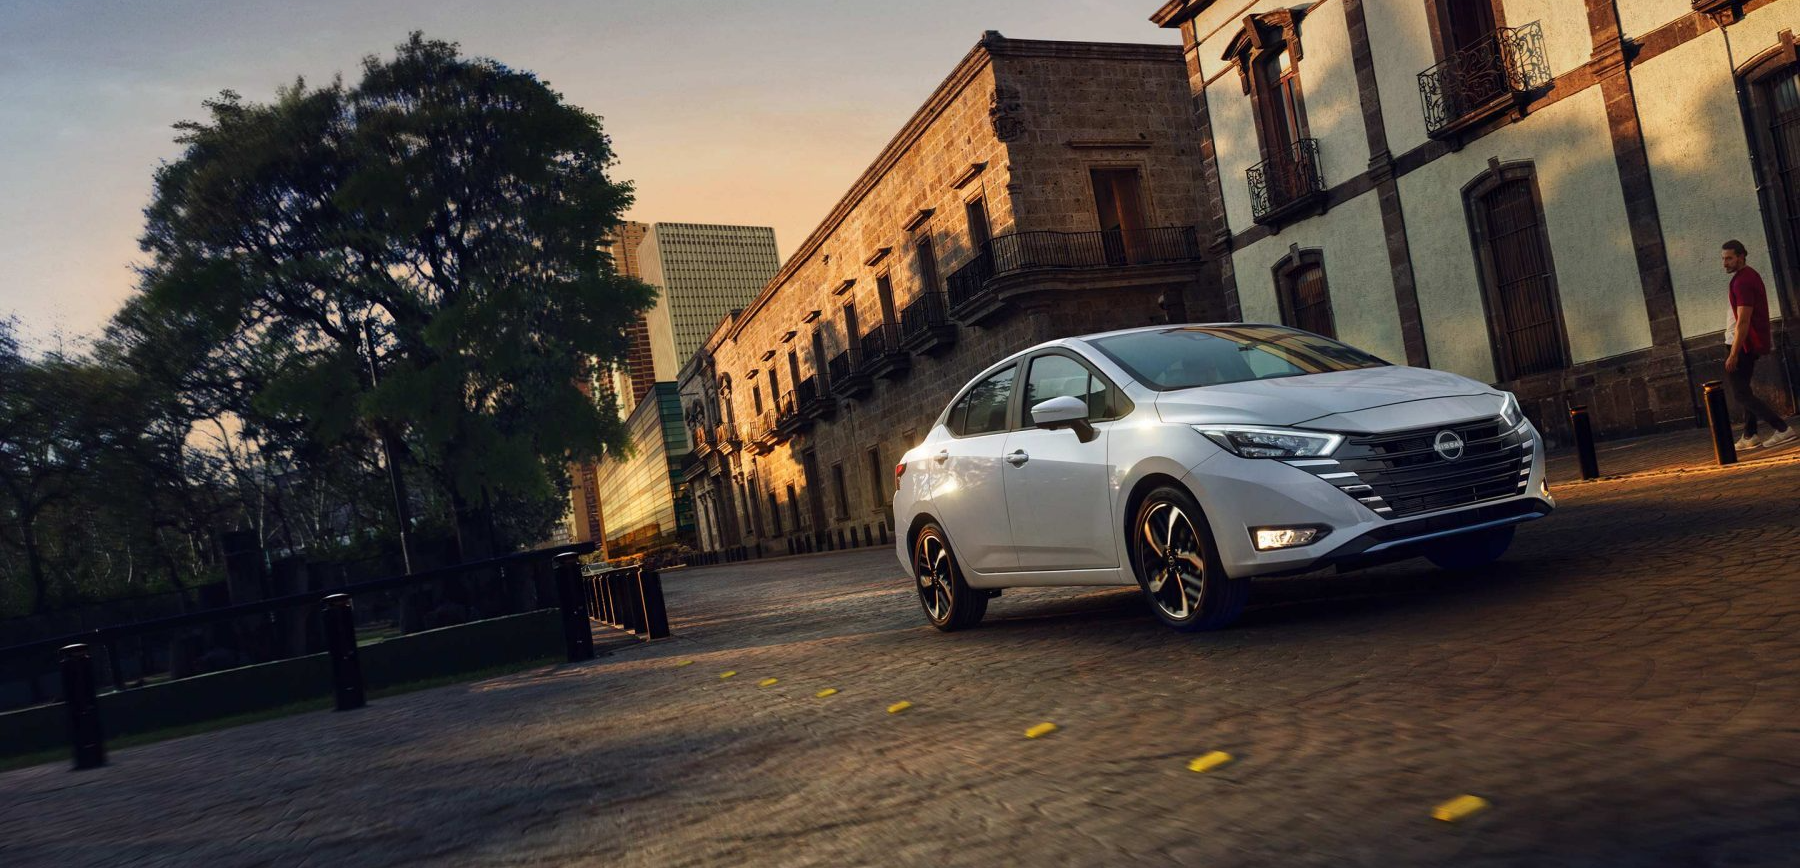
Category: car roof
[1063,342]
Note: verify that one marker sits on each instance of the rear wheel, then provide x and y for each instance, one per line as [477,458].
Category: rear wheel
[949,603]
[1468,551]
[1178,567]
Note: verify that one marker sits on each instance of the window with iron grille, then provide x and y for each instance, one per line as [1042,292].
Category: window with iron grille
[1303,294]
[1518,276]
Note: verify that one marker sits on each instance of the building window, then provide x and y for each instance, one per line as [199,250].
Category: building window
[1301,291]
[925,265]
[756,398]
[1267,52]
[794,506]
[976,210]
[1518,276]
[884,291]
[877,478]
[775,513]
[843,490]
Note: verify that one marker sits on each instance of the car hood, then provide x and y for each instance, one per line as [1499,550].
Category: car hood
[1313,397]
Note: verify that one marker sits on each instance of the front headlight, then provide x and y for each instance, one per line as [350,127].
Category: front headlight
[1271,442]
[1510,411]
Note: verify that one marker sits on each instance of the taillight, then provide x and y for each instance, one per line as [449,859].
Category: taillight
[899,471]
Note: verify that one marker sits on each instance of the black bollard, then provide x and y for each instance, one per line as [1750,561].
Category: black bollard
[89,746]
[339,615]
[578,636]
[631,604]
[1584,442]
[1718,417]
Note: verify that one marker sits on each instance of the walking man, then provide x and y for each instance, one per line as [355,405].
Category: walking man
[1747,332]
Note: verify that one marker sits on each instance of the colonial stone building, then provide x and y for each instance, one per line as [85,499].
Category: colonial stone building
[1044,189]
[1529,192]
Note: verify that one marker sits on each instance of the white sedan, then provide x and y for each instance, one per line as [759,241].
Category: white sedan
[1189,459]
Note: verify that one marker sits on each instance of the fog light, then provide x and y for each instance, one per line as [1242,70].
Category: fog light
[1269,538]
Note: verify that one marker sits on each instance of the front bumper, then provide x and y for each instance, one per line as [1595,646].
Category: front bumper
[1238,494]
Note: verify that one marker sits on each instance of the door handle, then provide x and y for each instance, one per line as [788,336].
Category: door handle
[942,456]
[1017,458]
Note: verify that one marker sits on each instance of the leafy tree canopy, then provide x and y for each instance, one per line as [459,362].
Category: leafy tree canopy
[415,256]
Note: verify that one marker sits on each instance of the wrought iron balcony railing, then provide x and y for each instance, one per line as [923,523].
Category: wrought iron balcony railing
[925,325]
[1286,183]
[1015,252]
[725,436]
[882,355]
[850,375]
[814,397]
[1480,79]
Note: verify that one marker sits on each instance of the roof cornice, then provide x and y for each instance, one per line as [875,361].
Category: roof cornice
[1175,12]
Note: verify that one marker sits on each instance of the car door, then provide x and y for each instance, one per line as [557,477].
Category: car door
[967,491]
[1058,486]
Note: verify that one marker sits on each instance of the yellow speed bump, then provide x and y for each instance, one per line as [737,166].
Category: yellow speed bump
[728,673]
[1208,761]
[684,663]
[826,692]
[1040,730]
[898,707]
[766,682]
[1459,808]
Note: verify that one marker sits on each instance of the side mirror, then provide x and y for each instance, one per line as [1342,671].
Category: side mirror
[1067,411]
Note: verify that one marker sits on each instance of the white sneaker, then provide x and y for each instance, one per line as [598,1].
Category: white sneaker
[1747,443]
[1781,438]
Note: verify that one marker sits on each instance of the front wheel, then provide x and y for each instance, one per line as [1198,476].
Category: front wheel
[1178,568]
[949,603]
[1468,551]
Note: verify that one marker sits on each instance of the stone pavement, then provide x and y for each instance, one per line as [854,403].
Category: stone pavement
[1622,688]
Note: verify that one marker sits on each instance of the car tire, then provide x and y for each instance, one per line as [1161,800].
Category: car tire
[1172,542]
[1468,551]
[949,603]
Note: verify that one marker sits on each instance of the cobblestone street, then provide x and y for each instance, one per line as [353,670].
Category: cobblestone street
[1622,689]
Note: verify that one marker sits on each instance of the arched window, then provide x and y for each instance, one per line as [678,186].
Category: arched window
[1518,275]
[1302,292]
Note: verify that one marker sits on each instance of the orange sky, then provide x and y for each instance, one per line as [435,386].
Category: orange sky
[742,112]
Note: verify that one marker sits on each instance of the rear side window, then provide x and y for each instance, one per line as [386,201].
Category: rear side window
[982,409]
[1061,376]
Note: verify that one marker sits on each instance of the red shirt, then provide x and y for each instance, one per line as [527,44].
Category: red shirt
[1747,291]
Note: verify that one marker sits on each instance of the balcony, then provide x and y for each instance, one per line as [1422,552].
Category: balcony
[849,375]
[765,434]
[788,418]
[1288,185]
[815,399]
[925,326]
[1499,71]
[705,440]
[726,439]
[882,355]
[979,290]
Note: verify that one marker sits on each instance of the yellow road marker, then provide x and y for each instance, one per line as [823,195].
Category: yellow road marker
[1459,808]
[684,663]
[1040,730]
[1208,761]
[728,673]
[766,682]
[826,692]
[898,707]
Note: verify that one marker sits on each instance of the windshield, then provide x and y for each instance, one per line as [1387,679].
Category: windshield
[1188,356]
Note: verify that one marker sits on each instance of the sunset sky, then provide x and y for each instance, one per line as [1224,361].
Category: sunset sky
[741,112]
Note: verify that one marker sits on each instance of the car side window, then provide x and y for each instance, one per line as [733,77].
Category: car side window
[982,410]
[1056,376]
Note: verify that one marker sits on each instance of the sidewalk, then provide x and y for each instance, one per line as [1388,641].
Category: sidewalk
[1689,449]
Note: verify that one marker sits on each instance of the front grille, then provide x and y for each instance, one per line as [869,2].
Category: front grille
[1401,473]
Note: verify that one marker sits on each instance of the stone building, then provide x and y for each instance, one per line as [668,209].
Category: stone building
[1532,193]
[1043,189]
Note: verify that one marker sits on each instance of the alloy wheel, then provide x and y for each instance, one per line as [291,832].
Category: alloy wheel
[1171,561]
[931,563]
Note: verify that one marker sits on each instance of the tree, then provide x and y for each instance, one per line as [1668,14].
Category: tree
[412,263]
